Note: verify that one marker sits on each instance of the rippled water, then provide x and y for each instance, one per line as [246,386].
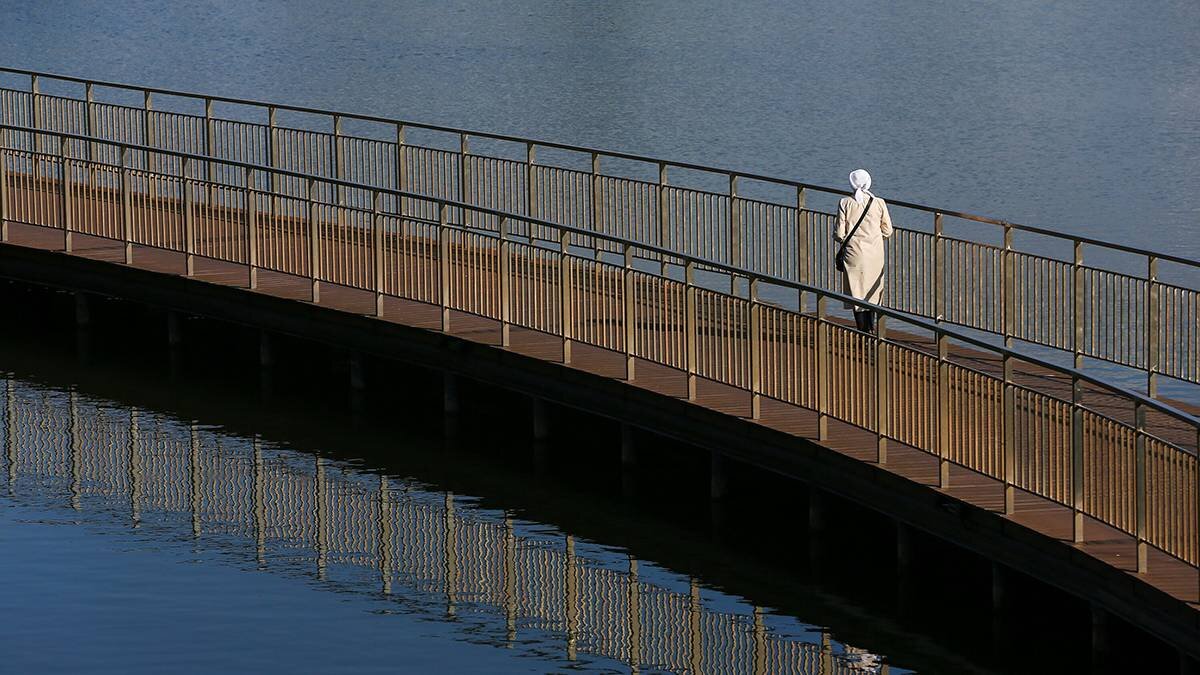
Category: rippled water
[207,550]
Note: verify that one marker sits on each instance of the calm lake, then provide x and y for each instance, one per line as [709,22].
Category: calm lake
[152,524]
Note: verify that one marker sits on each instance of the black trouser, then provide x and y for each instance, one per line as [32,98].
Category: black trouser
[865,320]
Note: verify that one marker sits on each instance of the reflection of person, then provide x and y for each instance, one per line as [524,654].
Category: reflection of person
[862,660]
[863,277]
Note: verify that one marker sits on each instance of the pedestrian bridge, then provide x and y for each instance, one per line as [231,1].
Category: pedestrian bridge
[1018,370]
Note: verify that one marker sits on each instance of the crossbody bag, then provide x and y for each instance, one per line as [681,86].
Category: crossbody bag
[839,261]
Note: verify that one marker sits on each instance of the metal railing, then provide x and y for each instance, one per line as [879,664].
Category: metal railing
[463,559]
[1070,437]
[961,269]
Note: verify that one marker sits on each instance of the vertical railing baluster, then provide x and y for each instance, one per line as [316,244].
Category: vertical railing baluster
[210,150]
[939,270]
[444,265]
[65,194]
[1077,474]
[690,337]
[1008,299]
[314,244]
[89,102]
[823,374]
[126,205]
[630,317]
[595,215]
[189,221]
[1153,327]
[531,195]
[756,338]
[1140,487]
[882,391]
[339,166]
[377,248]
[1077,344]
[565,297]
[505,285]
[1010,435]
[273,157]
[943,409]
[252,227]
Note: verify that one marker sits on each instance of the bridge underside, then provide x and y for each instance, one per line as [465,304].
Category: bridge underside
[968,508]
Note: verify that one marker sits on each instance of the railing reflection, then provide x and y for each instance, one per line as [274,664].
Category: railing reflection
[335,517]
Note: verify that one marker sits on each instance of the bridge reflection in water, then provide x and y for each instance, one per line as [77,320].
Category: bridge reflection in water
[333,517]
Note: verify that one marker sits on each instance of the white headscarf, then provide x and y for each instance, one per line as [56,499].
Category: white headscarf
[860,180]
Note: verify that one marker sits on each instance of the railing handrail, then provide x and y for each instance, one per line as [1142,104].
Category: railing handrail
[1042,231]
[939,329]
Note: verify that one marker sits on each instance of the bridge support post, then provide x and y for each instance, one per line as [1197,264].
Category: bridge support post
[174,342]
[541,421]
[905,559]
[1100,638]
[450,403]
[266,361]
[83,312]
[628,461]
[718,483]
[358,385]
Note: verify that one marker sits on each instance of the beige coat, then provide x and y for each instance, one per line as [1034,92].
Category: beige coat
[863,277]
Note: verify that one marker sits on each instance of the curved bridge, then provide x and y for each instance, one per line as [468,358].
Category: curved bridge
[719,298]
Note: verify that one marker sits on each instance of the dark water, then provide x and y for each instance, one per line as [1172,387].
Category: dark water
[1083,117]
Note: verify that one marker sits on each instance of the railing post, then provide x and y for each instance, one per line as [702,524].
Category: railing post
[377,247]
[3,193]
[189,220]
[565,298]
[252,228]
[1077,305]
[596,204]
[65,193]
[1140,487]
[148,127]
[531,196]
[339,167]
[89,102]
[314,236]
[663,214]
[939,270]
[126,205]
[1077,473]
[735,233]
[755,351]
[943,409]
[210,150]
[401,170]
[1153,327]
[1010,436]
[882,391]
[689,290]
[444,265]
[273,156]
[803,232]
[823,383]
[505,286]
[630,318]
[464,175]
[35,112]
[1009,297]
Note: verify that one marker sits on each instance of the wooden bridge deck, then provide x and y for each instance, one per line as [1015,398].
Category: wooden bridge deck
[1101,541]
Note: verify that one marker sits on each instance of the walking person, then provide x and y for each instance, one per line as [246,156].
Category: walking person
[863,224]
